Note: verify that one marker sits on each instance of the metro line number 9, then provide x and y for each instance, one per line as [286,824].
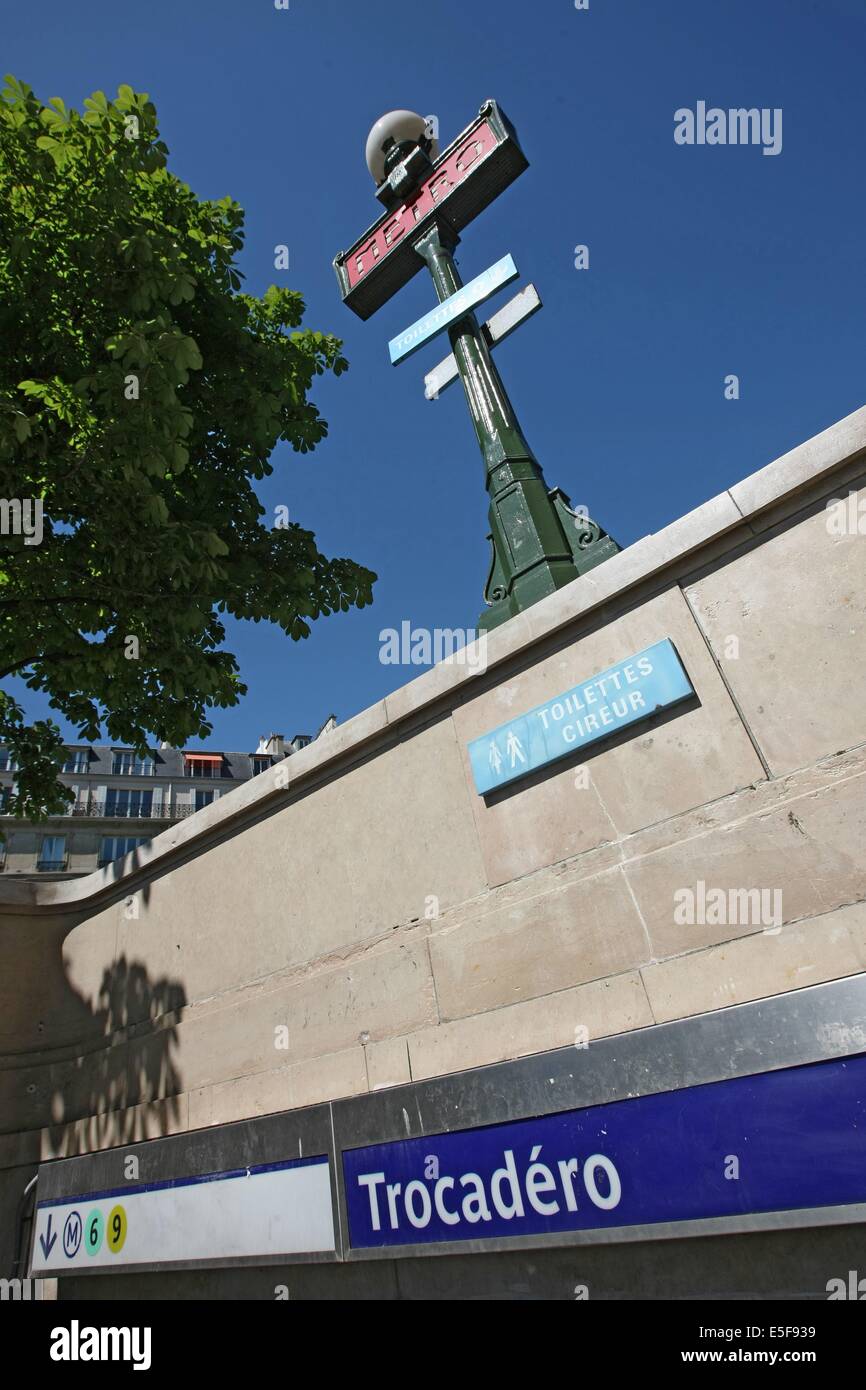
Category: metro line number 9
[116,1229]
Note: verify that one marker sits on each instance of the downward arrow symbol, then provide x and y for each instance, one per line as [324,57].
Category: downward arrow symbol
[46,1249]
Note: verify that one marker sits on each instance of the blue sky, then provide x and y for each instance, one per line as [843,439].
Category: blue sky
[704,261]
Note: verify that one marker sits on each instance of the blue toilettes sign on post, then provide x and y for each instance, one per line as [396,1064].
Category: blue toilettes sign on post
[622,695]
[457,306]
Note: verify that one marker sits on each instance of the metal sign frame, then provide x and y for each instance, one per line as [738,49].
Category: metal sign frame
[464,181]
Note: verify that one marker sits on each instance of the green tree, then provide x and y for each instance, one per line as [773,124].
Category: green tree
[141,397]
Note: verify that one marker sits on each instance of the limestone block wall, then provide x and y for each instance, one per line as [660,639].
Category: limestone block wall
[378,921]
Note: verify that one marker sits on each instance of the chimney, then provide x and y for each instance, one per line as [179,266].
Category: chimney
[275,744]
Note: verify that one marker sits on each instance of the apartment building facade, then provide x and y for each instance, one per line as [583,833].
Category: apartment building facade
[123,800]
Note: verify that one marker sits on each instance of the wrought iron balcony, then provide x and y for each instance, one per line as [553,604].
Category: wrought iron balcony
[107,810]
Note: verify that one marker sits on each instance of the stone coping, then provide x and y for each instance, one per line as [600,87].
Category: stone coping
[779,482]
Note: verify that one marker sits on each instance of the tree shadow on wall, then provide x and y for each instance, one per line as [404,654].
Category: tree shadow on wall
[126,1087]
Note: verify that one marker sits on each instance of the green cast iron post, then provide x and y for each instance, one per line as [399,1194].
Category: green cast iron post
[539,543]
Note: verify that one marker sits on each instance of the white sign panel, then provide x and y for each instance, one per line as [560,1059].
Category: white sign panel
[273,1209]
[503,323]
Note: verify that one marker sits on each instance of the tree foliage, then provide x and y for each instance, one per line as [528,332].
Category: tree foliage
[141,397]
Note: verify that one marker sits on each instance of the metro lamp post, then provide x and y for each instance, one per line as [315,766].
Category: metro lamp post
[538,542]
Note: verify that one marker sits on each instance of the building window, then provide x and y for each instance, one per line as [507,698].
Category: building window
[5,794]
[116,846]
[203,764]
[52,857]
[77,761]
[203,799]
[128,801]
[260,765]
[7,762]
[131,765]
[81,805]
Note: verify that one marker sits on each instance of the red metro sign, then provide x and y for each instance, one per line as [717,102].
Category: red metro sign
[483,160]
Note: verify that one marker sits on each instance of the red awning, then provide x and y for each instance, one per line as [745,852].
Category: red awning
[203,757]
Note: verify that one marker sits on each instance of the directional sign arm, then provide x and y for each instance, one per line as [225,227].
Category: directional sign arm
[495,330]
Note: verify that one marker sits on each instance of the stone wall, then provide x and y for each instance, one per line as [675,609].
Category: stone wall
[398,926]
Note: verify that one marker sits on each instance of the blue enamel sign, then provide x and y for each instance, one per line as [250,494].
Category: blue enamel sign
[622,695]
[455,307]
[777,1141]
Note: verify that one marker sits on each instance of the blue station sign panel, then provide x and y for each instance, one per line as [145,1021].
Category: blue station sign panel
[455,307]
[622,695]
[778,1141]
